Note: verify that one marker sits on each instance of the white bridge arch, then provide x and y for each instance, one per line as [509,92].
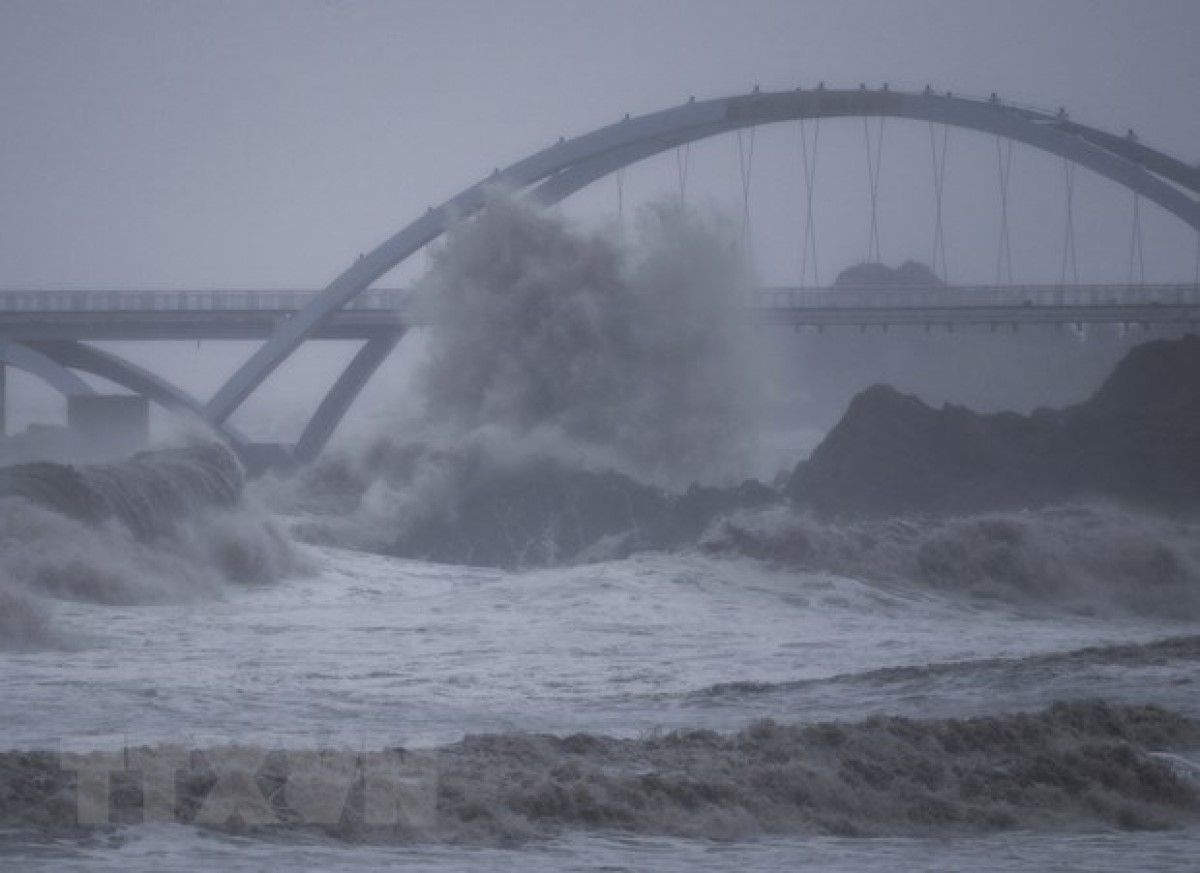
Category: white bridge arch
[571,164]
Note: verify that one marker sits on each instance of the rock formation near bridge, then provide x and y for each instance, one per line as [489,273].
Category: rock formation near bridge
[1136,440]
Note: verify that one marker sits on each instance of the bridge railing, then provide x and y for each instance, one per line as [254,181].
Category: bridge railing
[777,298]
[942,297]
[187,301]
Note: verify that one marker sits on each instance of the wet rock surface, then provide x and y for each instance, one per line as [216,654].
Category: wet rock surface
[1136,440]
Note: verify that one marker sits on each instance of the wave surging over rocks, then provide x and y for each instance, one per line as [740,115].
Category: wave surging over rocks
[556,348]
[1096,559]
[1071,765]
[148,493]
[164,525]
[573,389]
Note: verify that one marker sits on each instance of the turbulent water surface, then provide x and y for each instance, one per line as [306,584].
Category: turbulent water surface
[1004,692]
[369,653]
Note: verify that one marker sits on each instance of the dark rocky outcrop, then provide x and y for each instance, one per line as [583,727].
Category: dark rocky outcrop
[544,514]
[1136,440]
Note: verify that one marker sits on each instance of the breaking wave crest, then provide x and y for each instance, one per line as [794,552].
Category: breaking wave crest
[1093,559]
[147,493]
[1072,765]
[1130,673]
[165,525]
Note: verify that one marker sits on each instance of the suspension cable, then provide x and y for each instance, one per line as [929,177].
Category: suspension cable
[810,178]
[1135,243]
[683,156]
[1069,250]
[939,184]
[746,166]
[1196,276]
[874,160]
[1004,256]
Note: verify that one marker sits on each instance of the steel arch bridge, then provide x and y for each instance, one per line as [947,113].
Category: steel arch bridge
[554,173]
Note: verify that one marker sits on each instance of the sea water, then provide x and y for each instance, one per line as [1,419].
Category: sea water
[367,652]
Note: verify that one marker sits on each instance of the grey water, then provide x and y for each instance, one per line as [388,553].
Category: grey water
[659,710]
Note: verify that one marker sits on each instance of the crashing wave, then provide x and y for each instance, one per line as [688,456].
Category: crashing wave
[1093,559]
[148,493]
[164,525]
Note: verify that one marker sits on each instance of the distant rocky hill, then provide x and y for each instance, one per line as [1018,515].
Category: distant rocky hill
[1136,440]
[874,274]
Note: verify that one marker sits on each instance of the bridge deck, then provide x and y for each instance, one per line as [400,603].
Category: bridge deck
[248,315]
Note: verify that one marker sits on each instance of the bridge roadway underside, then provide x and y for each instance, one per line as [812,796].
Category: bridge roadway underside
[769,308]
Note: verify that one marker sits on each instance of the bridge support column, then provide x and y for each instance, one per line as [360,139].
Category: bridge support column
[329,414]
[3,400]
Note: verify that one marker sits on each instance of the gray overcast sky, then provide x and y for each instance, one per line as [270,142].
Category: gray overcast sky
[216,143]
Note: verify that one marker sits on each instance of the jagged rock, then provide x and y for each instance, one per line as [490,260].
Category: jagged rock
[1137,439]
[545,514]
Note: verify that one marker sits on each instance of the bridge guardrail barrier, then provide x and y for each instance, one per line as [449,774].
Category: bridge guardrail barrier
[977,295]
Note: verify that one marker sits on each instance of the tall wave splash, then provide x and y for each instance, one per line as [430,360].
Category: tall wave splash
[162,526]
[630,354]
[572,390]
[552,344]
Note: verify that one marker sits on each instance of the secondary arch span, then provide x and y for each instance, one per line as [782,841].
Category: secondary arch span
[571,164]
[68,355]
[44,367]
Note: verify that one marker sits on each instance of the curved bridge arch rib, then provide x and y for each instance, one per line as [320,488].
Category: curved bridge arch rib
[37,363]
[557,172]
[71,355]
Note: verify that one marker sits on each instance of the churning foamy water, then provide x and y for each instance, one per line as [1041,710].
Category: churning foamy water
[632,659]
[187,687]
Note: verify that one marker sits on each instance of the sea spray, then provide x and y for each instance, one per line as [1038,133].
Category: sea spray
[636,355]
[553,350]
[471,506]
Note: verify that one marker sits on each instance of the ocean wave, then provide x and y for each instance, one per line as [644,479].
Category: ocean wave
[1090,559]
[1072,765]
[163,526]
[977,672]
